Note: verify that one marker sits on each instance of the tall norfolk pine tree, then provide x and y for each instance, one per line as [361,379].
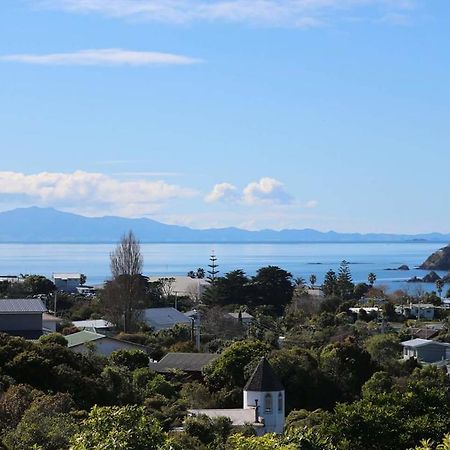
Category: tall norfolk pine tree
[213,269]
[344,281]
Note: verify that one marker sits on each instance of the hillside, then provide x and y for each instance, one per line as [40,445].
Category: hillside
[42,225]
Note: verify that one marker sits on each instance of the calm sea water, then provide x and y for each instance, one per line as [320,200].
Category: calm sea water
[177,259]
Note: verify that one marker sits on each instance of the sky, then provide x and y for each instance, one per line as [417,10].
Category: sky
[325,114]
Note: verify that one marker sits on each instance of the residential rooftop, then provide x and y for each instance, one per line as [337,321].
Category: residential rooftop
[187,362]
[22,305]
[82,337]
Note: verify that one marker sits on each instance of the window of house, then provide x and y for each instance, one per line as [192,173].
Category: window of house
[268,403]
[280,402]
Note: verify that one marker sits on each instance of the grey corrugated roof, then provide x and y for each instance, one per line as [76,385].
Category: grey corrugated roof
[264,379]
[188,362]
[422,343]
[239,417]
[160,318]
[21,305]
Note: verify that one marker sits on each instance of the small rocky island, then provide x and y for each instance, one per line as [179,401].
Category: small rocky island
[439,260]
[402,267]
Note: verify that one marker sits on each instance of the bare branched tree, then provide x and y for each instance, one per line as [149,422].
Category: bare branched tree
[127,259]
[124,294]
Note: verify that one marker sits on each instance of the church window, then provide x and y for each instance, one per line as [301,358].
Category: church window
[268,403]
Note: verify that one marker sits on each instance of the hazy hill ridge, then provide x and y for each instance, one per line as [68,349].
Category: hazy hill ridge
[40,225]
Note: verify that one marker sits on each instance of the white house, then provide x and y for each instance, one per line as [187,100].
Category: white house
[67,282]
[417,310]
[183,286]
[97,325]
[50,322]
[263,403]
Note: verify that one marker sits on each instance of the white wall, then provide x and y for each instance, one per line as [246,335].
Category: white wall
[274,420]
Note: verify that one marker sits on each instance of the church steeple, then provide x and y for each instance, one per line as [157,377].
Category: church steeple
[265,392]
[264,379]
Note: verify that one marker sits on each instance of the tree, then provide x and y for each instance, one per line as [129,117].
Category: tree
[329,286]
[312,279]
[38,284]
[345,284]
[46,424]
[132,359]
[371,278]
[213,269]
[83,279]
[117,428]
[234,366]
[200,274]
[439,286]
[385,349]
[123,295]
[272,286]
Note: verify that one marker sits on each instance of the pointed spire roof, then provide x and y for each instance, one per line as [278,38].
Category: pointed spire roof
[264,379]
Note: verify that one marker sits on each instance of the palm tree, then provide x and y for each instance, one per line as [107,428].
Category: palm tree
[371,278]
[312,280]
[439,286]
[299,282]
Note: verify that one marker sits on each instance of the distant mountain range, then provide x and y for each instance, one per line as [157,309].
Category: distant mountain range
[46,225]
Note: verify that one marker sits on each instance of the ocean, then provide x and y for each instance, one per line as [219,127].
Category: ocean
[301,260]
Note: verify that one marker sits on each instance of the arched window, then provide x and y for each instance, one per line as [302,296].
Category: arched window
[268,403]
[280,402]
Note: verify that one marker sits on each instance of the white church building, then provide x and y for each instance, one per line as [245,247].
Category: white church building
[263,403]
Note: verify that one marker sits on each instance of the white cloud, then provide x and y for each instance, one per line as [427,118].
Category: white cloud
[299,13]
[222,192]
[311,204]
[104,57]
[265,191]
[92,193]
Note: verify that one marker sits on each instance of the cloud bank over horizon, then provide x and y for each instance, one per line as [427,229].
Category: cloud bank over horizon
[291,13]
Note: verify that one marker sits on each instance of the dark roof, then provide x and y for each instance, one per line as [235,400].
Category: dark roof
[264,379]
[424,333]
[21,305]
[187,362]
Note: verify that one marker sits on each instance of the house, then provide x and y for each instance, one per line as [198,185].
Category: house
[315,291]
[164,318]
[263,403]
[183,286]
[241,317]
[22,317]
[67,282]
[11,279]
[423,333]
[418,311]
[371,311]
[425,350]
[191,363]
[50,322]
[97,325]
[83,341]
[87,291]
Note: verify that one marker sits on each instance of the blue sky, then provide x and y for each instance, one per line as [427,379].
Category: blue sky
[329,114]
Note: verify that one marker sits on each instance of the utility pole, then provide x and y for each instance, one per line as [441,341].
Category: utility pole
[55,297]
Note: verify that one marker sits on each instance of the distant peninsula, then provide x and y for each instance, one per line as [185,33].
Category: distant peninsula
[47,225]
[439,260]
